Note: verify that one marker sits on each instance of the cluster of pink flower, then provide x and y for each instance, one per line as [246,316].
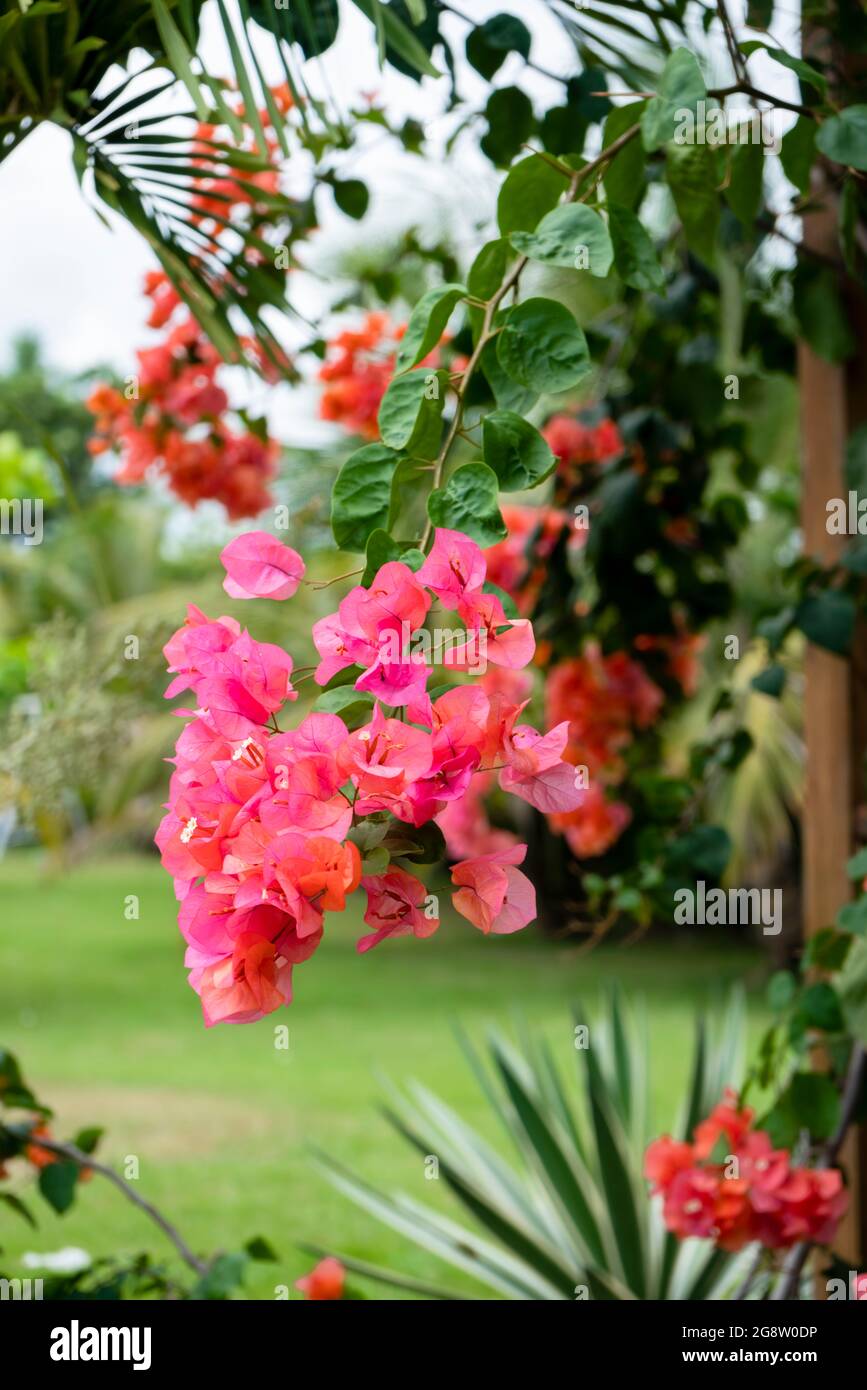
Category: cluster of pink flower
[749,1192]
[172,417]
[261,826]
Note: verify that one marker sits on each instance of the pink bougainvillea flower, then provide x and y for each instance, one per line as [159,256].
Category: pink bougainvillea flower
[492,893]
[306,779]
[395,598]
[401,682]
[396,903]
[535,769]
[190,649]
[341,641]
[244,685]
[259,565]
[383,758]
[324,1282]
[245,986]
[454,568]
[556,789]
[492,637]
[315,868]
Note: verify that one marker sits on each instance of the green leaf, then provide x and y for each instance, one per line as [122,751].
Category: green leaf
[744,192]
[852,917]
[506,392]
[572,236]
[759,14]
[782,988]
[57,1184]
[510,608]
[352,705]
[819,1007]
[815,1104]
[377,861]
[361,496]
[827,950]
[624,179]
[489,44]
[223,1277]
[379,551]
[797,152]
[469,503]
[704,851]
[843,138]
[690,171]
[488,270]
[178,54]
[427,323]
[809,75]
[411,410]
[515,451]
[852,989]
[856,867]
[8,1198]
[312,24]
[423,844]
[542,348]
[509,113]
[681,88]
[771,681]
[88,1139]
[399,37]
[828,620]
[260,1249]
[549,1156]
[614,1171]
[530,189]
[351,196]
[635,258]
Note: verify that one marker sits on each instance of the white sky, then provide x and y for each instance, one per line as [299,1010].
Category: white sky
[66,277]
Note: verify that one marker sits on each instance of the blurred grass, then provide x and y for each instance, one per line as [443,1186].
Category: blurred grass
[99,1013]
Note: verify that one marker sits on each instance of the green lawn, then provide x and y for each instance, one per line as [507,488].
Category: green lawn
[99,1013]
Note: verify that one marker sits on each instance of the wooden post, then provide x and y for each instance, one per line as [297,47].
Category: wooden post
[833,400]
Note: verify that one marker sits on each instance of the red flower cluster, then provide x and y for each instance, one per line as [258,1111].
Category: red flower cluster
[731,1186]
[172,418]
[263,827]
[605,699]
[576,444]
[517,564]
[326,1281]
[175,421]
[357,370]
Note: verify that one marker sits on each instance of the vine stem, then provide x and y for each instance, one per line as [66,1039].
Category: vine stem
[76,1155]
[493,304]
[797,1256]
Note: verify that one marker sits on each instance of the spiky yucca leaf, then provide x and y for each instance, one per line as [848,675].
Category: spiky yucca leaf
[570,1212]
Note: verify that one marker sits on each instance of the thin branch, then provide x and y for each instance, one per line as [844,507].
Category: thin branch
[76,1155]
